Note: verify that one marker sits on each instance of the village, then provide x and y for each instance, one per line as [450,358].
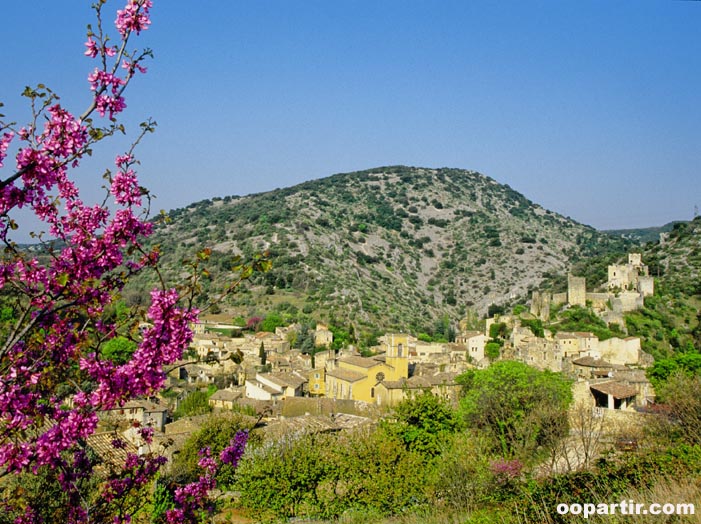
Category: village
[286,390]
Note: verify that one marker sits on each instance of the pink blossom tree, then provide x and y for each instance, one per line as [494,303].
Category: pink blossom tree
[56,301]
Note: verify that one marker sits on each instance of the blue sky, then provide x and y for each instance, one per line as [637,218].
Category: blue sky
[589,108]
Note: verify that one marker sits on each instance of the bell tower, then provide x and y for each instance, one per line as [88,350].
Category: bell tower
[397,356]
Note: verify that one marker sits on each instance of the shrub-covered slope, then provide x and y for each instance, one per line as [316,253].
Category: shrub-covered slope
[393,247]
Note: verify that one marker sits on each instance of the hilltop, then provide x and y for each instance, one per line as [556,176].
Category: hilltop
[643,235]
[393,247]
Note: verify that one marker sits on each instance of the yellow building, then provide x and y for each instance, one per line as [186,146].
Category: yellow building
[317,382]
[355,378]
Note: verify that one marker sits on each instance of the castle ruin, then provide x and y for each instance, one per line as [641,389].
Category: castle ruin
[627,286]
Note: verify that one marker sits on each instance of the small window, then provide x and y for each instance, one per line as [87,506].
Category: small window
[316,386]
[399,350]
[372,392]
[316,375]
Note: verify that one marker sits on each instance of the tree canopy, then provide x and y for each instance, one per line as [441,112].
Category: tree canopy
[521,408]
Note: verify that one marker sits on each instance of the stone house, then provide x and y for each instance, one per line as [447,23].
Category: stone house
[145,412]
[592,368]
[224,398]
[323,336]
[442,385]
[613,394]
[475,342]
[275,386]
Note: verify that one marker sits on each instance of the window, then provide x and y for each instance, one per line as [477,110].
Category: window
[372,392]
[316,375]
[316,386]
[399,350]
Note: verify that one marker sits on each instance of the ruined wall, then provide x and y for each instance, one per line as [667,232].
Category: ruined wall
[540,305]
[598,300]
[646,286]
[625,302]
[559,298]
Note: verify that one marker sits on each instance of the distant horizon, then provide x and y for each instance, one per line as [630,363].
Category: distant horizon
[590,109]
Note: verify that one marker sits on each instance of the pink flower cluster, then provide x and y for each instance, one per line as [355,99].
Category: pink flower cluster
[134,17]
[54,380]
[5,140]
[192,499]
[506,471]
[92,49]
[107,87]
[234,451]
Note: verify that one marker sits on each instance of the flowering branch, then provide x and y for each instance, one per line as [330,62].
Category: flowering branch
[54,302]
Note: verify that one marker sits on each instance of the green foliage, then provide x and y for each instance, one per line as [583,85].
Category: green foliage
[680,393]
[324,476]
[262,355]
[611,480]
[519,308]
[425,423]
[498,330]
[462,477]
[196,403]
[341,337]
[666,325]
[522,409]
[535,325]
[492,350]
[118,349]
[424,337]
[271,321]
[41,491]
[495,309]
[216,433]
[578,318]
[661,370]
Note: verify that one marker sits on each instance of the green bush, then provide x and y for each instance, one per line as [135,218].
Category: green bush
[523,410]
[325,476]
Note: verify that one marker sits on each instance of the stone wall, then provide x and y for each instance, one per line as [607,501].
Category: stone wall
[298,406]
[620,351]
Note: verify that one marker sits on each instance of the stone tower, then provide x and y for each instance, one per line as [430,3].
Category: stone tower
[576,291]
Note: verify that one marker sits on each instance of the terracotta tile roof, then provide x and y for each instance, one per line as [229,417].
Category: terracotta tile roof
[146,405]
[101,443]
[264,387]
[285,379]
[346,374]
[225,395]
[300,426]
[615,389]
[442,378]
[411,383]
[592,362]
[361,362]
